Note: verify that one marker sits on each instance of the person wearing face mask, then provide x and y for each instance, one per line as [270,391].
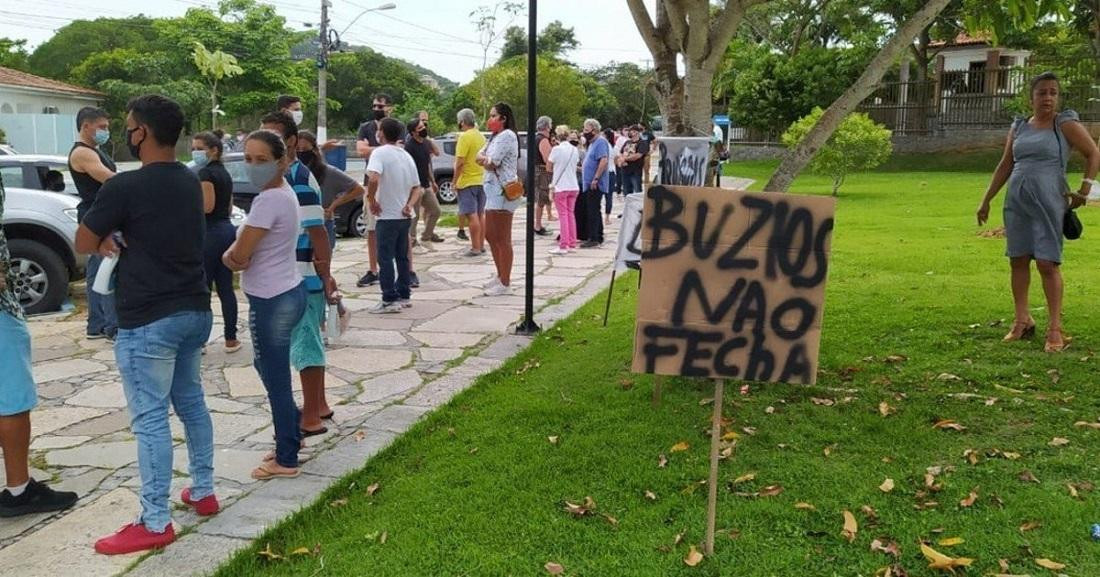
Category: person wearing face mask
[90,168]
[595,181]
[264,252]
[164,314]
[580,207]
[292,105]
[500,159]
[381,107]
[217,203]
[420,148]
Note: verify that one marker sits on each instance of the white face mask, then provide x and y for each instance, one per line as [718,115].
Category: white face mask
[297,116]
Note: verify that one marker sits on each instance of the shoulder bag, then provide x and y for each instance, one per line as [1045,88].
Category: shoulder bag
[1071,224]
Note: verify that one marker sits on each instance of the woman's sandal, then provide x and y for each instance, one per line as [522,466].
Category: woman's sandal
[265,472]
[1057,346]
[1021,331]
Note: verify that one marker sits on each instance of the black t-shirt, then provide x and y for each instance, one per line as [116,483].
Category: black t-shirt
[216,174]
[86,186]
[369,131]
[421,152]
[631,147]
[158,210]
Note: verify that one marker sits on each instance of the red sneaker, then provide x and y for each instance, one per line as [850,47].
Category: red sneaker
[134,537]
[206,506]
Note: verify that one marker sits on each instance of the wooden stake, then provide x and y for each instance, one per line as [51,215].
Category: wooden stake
[611,289]
[712,485]
[658,381]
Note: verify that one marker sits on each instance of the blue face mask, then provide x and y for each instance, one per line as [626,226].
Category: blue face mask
[102,136]
[260,174]
[199,158]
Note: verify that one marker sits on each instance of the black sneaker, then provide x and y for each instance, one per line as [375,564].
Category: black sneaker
[542,231]
[36,498]
[436,238]
[590,244]
[368,279]
[462,235]
[414,281]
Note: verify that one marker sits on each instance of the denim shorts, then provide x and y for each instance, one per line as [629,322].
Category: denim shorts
[495,200]
[471,200]
[307,349]
[17,390]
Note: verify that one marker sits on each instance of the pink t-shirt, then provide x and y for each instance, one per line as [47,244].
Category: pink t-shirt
[274,268]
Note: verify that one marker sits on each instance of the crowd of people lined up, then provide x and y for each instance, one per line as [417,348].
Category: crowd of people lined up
[165,231]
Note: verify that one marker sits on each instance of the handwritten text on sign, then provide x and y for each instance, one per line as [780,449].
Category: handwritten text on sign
[733,284]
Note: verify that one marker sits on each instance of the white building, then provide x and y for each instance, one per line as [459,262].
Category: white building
[967,53]
[38,115]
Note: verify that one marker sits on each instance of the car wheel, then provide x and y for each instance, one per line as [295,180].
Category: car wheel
[357,224]
[447,192]
[41,279]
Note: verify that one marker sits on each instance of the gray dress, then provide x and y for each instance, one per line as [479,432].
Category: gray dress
[1035,203]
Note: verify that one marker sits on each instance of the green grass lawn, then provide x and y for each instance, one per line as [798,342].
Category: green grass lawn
[478,489]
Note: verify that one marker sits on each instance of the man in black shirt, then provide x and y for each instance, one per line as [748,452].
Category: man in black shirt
[634,153]
[163,314]
[90,168]
[381,107]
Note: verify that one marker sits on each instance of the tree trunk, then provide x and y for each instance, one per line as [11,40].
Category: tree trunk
[794,161]
[698,106]
[670,93]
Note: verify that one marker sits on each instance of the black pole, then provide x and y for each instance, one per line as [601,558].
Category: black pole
[528,326]
[611,289]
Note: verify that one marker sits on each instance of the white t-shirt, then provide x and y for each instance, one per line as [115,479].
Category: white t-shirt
[565,157]
[397,177]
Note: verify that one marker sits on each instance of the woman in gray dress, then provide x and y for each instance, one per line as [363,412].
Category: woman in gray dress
[1034,166]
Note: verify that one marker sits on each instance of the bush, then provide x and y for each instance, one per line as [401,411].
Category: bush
[859,143]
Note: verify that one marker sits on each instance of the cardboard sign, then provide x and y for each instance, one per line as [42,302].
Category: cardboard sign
[683,160]
[629,253]
[733,284]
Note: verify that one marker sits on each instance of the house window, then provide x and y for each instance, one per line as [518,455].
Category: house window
[6,108]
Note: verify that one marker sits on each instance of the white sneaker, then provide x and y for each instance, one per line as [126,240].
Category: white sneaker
[493,282]
[559,250]
[498,290]
[405,303]
[382,307]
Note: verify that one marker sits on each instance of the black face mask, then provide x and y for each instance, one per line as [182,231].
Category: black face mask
[307,157]
[575,142]
[379,114]
[135,149]
[588,136]
[423,133]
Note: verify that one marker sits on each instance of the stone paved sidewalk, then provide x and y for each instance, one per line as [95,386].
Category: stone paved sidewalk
[384,374]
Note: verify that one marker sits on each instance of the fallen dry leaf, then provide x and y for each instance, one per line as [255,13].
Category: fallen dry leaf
[730,436]
[951,541]
[614,522]
[885,409]
[693,558]
[1048,564]
[372,489]
[850,526]
[1058,442]
[771,490]
[553,568]
[338,502]
[896,359]
[886,486]
[822,402]
[829,450]
[650,495]
[970,499]
[942,562]
[385,536]
[553,440]
[301,551]
[971,455]
[769,410]
[1028,477]
[681,446]
[887,546]
[662,461]
[1072,490]
[1030,525]
[803,506]
[948,424]
[360,435]
[744,478]
[750,431]
[1087,425]
[269,554]
[705,402]
[948,377]
[581,510]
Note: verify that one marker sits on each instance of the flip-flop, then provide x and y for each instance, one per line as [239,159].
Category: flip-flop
[307,433]
[329,416]
[263,473]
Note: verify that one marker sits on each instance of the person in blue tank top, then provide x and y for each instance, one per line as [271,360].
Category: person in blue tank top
[307,348]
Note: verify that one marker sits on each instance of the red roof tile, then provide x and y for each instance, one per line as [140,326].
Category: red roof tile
[11,77]
[963,39]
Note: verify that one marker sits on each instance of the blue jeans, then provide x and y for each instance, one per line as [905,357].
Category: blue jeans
[101,308]
[271,322]
[160,363]
[393,245]
[330,228]
[632,183]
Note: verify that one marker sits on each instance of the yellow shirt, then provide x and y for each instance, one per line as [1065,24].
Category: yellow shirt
[470,142]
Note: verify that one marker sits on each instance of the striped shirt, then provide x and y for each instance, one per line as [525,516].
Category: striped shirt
[310,214]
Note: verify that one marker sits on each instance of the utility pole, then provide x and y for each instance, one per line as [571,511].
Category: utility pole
[322,75]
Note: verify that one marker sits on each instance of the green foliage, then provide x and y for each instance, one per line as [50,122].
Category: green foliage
[858,144]
[354,79]
[417,99]
[768,91]
[13,54]
[76,41]
[627,94]
[561,93]
[190,94]
[554,41]
[214,66]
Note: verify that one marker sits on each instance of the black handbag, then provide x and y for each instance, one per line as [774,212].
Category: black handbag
[1071,225]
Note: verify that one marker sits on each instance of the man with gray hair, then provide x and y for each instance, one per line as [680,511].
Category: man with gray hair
[542,177]
[468,179]
[595,180]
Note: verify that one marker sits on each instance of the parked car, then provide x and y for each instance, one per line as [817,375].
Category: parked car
[37,172]
[443,166]
[349,217]
[41,230]
[6,149]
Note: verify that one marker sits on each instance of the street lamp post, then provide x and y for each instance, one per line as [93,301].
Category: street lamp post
[330,40]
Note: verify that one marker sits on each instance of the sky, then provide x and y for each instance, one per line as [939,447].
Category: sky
[436,34]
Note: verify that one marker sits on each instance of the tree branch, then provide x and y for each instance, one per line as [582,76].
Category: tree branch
[725,26]
[646,27]
[677,22]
